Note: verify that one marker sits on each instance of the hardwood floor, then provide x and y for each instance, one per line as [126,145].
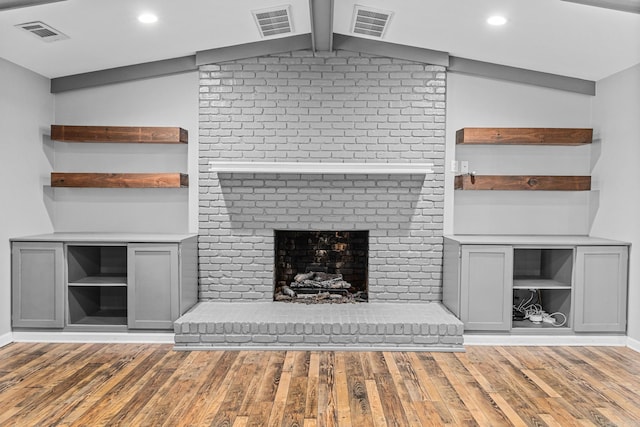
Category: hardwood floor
[152,385]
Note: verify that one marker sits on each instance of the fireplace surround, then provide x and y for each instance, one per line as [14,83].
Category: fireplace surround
[262,121]
[317,108]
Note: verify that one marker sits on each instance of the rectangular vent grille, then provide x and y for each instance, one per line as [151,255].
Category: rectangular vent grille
[370,22]
[43,31]
[273,21]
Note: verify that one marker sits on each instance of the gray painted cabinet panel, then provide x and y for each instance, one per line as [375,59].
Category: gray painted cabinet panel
[582,276]
[104,281]
[601,289]
[153,291]
[486,279]
[37,270]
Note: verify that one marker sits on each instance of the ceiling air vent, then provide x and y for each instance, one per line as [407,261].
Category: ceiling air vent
[370,22]
[43,31]
[273,21]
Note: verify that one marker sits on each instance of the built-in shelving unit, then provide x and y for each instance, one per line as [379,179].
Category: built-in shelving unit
[522,182]
[119,180]
[320,167]
[522,136]
[97,285]
[103,281]
[120,134]
[543,277]
[536,284]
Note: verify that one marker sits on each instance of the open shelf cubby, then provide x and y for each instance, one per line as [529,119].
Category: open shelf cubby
[543,276]
[97,284]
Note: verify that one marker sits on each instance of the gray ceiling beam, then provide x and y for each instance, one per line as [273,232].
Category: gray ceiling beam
[321,25]
[632,6]
[521,75]
[124,74]
[253,50]
[391,50]
[15,4]
[300,42]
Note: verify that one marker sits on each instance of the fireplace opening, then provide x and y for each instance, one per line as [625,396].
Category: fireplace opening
[321,266]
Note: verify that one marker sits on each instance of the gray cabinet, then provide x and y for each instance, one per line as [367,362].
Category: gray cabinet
[153,293]
[481,296]
[485,298]
[37,283]
[601,289]
[580,281]
[103,282]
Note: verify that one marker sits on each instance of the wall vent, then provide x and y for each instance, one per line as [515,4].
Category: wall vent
[43,31]
[370,22]
[273,21]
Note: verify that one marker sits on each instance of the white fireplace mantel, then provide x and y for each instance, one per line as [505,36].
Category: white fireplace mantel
[320,167]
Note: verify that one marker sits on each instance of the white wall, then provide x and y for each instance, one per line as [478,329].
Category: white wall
[617,173]
[162,101]
[26,112]
[481,102]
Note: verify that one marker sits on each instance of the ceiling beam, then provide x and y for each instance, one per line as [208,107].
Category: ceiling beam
[321,25]
[521,75]
[632,6]
[391,50]
[15,4]
[301,42]
[253,50]
[124,74]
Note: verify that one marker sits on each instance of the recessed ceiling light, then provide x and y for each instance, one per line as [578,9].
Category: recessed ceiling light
[497,20]
[147,18]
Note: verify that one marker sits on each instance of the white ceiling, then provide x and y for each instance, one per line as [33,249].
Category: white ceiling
[552,36]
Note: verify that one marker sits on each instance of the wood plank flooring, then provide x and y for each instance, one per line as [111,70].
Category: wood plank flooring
[153,385]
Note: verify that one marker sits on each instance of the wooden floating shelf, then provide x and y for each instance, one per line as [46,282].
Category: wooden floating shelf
[120,134]
[119,180]
[524,136]
[522,182]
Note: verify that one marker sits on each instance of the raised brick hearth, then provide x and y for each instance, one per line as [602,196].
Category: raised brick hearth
[321,107]
[390,326]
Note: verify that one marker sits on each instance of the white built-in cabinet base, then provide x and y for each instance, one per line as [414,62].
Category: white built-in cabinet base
[580,280]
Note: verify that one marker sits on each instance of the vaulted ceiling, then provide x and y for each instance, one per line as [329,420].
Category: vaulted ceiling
[550,36]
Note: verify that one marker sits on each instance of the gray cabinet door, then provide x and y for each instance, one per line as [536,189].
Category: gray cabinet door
[486,287]
[153,294]
[601,289]
[37,282]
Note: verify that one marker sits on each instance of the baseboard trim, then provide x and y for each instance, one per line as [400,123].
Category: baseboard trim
[168,338]
[295,347]
[6,339]
[546,340]
[633,344]
[93,337]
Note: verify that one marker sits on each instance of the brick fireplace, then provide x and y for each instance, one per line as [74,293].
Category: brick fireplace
[324,107]
[363,127]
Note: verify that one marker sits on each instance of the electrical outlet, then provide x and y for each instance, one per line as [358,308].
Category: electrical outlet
[464,167]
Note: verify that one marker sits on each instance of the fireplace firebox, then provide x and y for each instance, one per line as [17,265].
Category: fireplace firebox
[321,266]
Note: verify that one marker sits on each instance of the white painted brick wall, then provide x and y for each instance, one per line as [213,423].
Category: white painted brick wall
[340,106]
